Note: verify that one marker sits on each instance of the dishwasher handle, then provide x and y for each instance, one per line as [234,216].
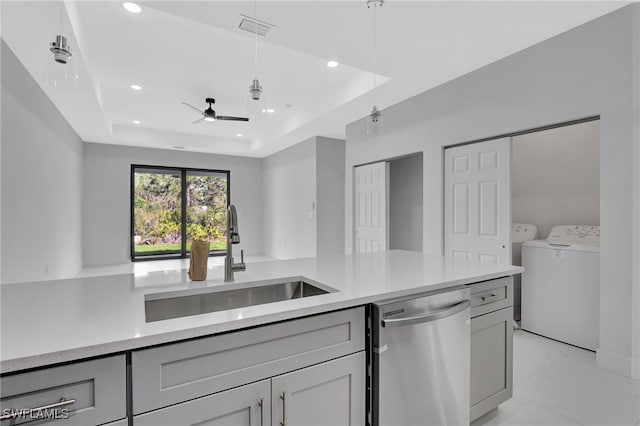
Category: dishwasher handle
[428,316]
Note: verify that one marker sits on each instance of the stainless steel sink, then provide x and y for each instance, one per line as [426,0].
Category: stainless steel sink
[159,308]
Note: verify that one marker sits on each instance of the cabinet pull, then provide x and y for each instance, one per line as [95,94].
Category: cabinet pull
[22,411]
[283,397]
[491,298]
[261,404]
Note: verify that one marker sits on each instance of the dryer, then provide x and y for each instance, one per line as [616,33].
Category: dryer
[561,285]
[520,233]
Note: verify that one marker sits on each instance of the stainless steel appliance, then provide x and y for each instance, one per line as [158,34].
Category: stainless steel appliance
[421,360]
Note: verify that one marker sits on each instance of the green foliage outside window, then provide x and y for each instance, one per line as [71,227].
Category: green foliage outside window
[158,210]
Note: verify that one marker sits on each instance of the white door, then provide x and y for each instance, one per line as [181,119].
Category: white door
[327,394]
[371,207]
[477,201]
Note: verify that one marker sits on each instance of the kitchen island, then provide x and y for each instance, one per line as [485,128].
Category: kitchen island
[97,318]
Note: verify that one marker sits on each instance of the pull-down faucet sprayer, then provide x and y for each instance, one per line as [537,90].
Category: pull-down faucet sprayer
[233,237]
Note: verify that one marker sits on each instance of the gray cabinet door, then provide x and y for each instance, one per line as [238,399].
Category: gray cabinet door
[491,361]
[170,374]
[327,394]
[247,405]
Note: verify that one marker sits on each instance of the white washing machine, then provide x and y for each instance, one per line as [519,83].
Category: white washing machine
[561,285]
[520,233]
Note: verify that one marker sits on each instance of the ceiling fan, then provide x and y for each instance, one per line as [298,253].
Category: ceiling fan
[210,115]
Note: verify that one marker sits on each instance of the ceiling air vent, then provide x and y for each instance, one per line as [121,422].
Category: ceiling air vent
[252,25]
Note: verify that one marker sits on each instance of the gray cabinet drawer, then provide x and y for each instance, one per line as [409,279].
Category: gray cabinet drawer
[98,388]
[178,372]
[491,295]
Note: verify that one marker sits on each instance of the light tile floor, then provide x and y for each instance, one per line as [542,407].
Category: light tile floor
[558,384]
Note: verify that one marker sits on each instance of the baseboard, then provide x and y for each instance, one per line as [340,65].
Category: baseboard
[614,362]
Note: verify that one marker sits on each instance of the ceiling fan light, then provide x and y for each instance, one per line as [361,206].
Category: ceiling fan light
[209,118]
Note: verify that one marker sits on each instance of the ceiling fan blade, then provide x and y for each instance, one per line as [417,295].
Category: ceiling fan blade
[191,106]
[198,120]
[223,117]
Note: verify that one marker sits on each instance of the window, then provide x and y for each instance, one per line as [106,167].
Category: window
[171,206]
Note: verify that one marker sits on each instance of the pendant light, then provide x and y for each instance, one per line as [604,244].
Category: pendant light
[60,71]
[256,102]
[374,120]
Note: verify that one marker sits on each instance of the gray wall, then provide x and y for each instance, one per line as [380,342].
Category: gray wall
[330,196]
[591,70]
[555,177]
[41,182]
[405,203]
[106,196]
[289,196]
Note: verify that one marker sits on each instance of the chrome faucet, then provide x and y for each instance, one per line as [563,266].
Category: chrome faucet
[233,237]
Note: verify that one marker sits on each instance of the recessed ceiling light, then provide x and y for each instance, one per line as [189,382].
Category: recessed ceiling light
[239,135]
[136,87]
[137,122]
[131,7]
[332,64]
[269,110]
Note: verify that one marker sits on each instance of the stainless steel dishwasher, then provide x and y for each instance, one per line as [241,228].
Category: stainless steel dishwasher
[421,360]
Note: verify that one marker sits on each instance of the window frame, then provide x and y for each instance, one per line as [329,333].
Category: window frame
[183,171]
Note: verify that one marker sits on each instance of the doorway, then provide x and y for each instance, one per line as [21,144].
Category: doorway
[388,200]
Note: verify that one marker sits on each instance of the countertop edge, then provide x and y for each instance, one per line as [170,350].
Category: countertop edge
[112,348]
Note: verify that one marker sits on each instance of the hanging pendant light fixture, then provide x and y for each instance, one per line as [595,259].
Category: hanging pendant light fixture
[374,120]
[55,75]
[255,89]
[59,47]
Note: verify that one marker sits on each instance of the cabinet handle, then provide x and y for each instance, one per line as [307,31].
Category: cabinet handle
[261,404]
[22,411]
[491,298]
[283,397]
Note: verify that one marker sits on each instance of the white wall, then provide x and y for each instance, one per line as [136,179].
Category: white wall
[635,228]
[330,154]
[405,203]
[41,182]
[591,70]
[289,194]
[555,177]
[106,196]
[303,201]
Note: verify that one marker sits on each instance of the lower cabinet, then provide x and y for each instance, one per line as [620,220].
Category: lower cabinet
[491,345]
[491,361]
[82,393]
[330,393]
[308,371]
[248,405]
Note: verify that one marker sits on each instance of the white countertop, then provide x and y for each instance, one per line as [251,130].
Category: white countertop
[49,322]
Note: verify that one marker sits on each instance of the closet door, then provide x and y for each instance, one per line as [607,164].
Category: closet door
[477,201]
